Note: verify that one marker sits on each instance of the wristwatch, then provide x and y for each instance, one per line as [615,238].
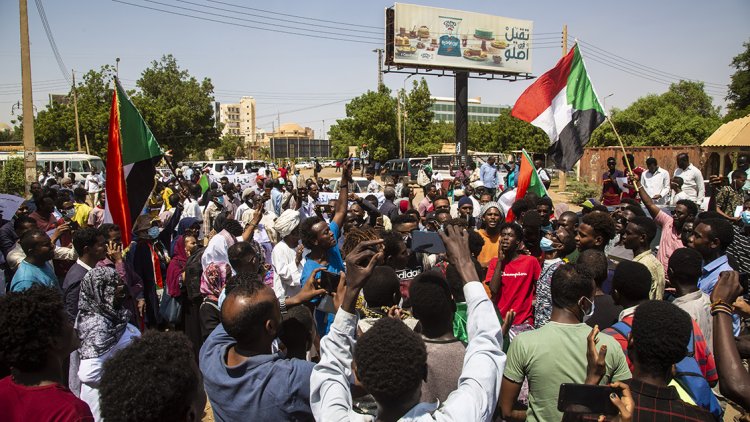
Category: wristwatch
[282,305]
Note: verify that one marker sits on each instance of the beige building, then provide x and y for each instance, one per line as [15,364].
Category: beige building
[239,121]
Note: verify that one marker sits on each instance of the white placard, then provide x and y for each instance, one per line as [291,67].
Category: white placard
[9,204]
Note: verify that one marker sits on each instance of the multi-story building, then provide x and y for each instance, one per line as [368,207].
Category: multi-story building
[444,109]
[291,140]
[239,121]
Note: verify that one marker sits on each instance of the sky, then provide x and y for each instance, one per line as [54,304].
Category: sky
[253,48]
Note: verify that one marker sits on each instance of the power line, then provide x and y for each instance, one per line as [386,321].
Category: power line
[273,25]
[282,20]
[239,24]
[645,67]
[295,16]
[35,82]
[51,38]
[301,109]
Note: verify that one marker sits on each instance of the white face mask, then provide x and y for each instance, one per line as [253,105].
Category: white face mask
[590,313]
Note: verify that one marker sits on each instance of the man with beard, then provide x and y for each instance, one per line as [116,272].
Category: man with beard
[671,226]
[490,232]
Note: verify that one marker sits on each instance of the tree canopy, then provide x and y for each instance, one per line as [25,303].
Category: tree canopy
[739,87]
[683,115]
[177,108]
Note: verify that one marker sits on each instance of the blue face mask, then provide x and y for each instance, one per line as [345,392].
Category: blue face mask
[153,232]
[546,244]
[745,215]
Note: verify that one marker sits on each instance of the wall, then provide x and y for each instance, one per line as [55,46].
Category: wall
[594,160]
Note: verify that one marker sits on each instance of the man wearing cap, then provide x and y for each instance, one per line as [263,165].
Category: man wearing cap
[491,219]
[247,195]
[465,210]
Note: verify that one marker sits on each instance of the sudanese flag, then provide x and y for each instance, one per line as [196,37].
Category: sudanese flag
[132,155]
[563,103]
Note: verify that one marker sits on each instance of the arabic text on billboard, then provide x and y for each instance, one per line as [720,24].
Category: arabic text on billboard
[446,38]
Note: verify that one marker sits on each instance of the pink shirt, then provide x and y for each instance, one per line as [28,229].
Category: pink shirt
[670,239]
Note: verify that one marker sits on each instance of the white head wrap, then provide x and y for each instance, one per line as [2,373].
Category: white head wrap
[286,223]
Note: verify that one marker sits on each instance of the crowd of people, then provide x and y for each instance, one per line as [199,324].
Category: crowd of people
[275,302]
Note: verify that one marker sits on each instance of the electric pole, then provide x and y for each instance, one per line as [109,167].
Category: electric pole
[75,109]
[380,66]
[29,144]
[563,185]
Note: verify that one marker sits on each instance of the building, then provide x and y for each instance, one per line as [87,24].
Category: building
[239,121]
[294,141]
[444,109]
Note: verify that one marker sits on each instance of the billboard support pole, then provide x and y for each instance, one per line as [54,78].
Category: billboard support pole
[461,114]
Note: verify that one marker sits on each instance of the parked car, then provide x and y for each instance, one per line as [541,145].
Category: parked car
[303,165]
[328,163]
[360,184]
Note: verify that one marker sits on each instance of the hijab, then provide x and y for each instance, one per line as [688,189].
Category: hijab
[176,267]
[100,324]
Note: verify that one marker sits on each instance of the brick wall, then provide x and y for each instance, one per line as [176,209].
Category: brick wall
[594,160]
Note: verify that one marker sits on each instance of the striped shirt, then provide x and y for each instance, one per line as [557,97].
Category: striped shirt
[739,249]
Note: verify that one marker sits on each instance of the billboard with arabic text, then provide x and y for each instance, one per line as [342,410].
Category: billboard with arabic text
[431,37]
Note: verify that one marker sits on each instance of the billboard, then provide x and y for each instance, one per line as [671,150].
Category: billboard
[431,37]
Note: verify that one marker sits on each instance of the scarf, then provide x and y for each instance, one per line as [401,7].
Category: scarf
[214,278]
[176,267]
[100,325]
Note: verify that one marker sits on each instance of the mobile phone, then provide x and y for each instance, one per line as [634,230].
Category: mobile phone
[744,284]
[584,398]
[428,242]
[329,281]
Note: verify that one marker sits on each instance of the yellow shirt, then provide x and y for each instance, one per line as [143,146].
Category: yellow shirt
[165,197]
[82,214]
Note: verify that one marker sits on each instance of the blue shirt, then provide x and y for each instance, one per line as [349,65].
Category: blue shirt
[263,387]
[335,265]
[28,275]
[276,196]
[710,276]
[488,176]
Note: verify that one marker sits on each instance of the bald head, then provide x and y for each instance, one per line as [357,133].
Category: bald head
[251,315]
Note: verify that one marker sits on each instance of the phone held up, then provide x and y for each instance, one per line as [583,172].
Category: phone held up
[584,398]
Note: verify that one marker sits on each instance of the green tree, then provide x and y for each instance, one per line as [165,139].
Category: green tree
[505,134]
[683,115]
[230,147]
[370,119]
[739,88]
[421,138]
[55,129]
[177,107]
[12,178]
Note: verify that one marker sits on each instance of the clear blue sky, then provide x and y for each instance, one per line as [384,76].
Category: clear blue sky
[286,72]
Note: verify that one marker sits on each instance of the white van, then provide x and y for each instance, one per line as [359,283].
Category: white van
[66,162]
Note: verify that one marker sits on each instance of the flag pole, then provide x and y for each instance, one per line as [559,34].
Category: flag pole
[622,146]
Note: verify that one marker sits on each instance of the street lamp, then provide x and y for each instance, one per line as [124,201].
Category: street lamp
[604,103]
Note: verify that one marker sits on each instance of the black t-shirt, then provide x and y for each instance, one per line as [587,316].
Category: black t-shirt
[606,312]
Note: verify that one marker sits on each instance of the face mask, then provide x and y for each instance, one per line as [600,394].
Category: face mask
[220,200]
[153,232]
[590,313]
[546,244]
[69,213]
[745,215]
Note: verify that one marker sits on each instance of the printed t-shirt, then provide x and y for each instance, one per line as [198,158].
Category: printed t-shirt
[517,287]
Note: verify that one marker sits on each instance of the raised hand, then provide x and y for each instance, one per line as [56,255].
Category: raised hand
[456,240]
[597,364]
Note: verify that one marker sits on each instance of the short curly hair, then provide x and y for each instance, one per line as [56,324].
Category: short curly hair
[632,280]
[391,361]
[357,235]
[602,224]
[29,321]
[307,234]
[155,378]
[431,299]
[661,332]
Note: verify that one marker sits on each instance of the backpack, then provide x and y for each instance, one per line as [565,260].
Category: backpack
[688,374]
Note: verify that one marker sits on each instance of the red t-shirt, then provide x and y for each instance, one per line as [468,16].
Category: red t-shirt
[517,287]
[52,403]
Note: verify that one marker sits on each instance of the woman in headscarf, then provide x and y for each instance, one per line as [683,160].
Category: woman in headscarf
[103,328]
[212,283]
[148,259]
[188,225]
[175,286]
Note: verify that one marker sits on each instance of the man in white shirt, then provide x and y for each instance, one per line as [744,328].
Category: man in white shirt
[190,205]
[374,186]
[396,385]
[286,258]
[656,181]
[94,186]
[692,179]
[542,172]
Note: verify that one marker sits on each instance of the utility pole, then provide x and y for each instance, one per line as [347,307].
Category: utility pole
[380,66]
[29,144]
[75,109]
[398,128]
[563,185]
